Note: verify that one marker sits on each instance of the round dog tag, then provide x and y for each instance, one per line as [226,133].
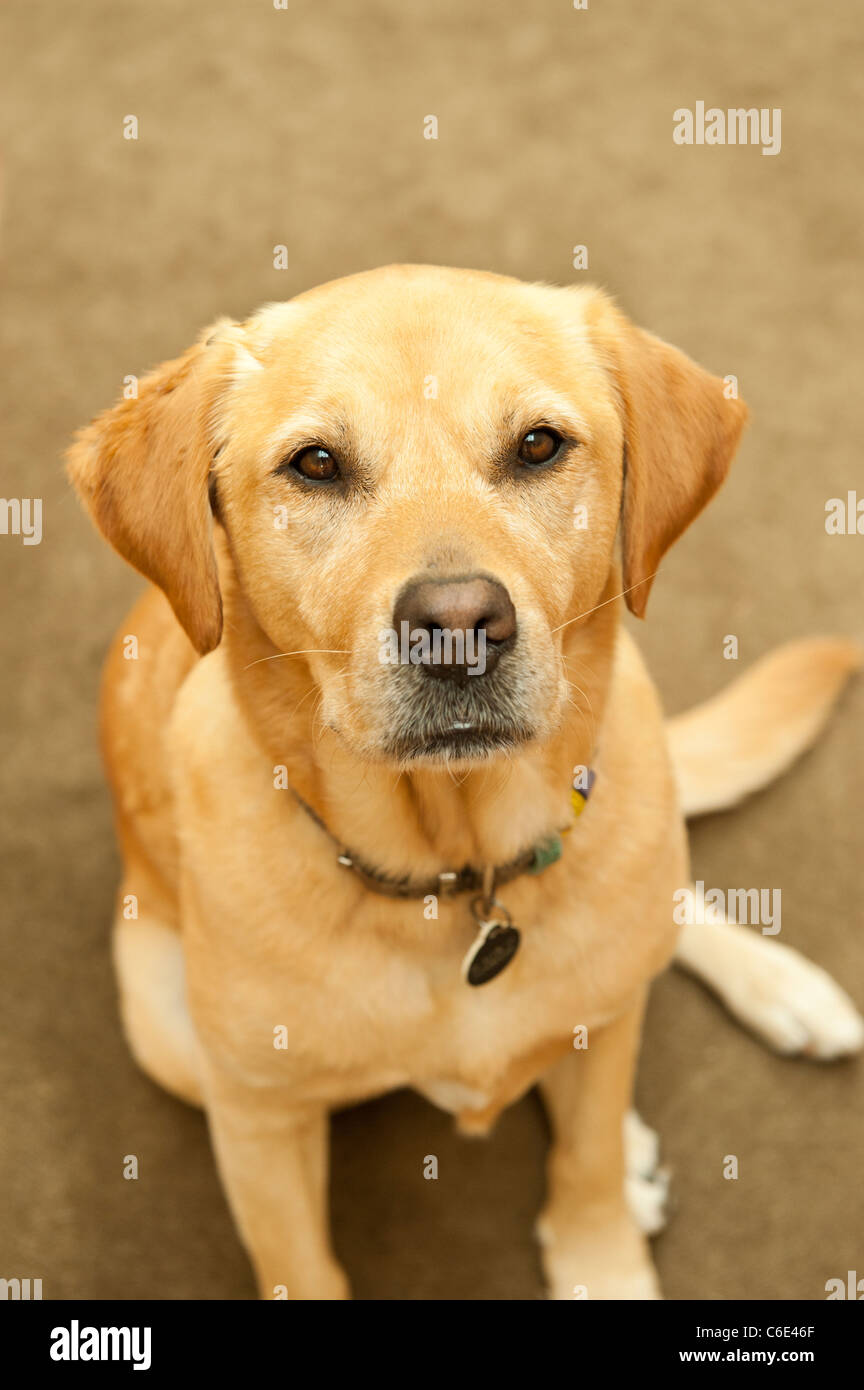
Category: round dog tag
[494,947]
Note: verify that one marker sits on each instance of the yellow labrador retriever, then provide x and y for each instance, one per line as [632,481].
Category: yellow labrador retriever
[397,802]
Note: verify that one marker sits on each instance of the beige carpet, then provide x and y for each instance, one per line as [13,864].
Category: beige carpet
[303,127]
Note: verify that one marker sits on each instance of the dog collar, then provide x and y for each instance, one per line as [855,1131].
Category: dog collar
[497,939]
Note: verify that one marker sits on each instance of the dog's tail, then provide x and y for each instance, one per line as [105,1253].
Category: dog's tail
[747,735]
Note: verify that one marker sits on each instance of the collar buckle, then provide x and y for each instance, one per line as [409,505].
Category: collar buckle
[447,882]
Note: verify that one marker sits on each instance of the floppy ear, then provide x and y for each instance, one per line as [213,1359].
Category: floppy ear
[680,434]
[142,470]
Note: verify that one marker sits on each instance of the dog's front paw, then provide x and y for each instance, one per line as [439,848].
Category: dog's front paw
[604,1261]
[327,1283]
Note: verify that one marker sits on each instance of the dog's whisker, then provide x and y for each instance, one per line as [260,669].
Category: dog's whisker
[585,697]
[303,698]
[597,606]
[310,651]
[590,723]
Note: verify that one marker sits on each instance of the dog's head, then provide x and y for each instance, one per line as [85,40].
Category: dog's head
[421,473]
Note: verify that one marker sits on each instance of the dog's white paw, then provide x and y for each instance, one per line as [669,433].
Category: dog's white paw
[590,1261]
[570,1279]
[792,1004]
[646,1185]
[647,1198]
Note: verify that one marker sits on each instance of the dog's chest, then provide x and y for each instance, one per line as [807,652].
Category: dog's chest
[368,992]
[405,1015]
[454,1096]
[478,1106]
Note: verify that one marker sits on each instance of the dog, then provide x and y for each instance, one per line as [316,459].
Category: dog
[346,873]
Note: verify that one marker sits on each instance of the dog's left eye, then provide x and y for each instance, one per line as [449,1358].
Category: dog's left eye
[316,464]
[539,446]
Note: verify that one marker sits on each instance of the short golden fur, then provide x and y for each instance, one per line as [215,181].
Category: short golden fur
[269,660]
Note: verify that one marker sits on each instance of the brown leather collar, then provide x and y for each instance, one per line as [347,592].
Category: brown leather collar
[448,883]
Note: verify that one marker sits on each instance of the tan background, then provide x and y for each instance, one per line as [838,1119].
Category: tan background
[304,127]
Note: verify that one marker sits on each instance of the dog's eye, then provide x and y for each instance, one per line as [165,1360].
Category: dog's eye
[316,464]
[539,446]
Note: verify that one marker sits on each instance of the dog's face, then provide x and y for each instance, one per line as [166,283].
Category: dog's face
[411,456]
[420,473]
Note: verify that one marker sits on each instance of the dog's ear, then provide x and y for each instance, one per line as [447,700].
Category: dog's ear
[680,434]
[142,469]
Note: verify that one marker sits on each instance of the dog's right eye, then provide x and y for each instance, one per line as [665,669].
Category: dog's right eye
[315,464]
[539,446]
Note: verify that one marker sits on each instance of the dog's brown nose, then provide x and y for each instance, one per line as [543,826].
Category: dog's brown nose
[466,622]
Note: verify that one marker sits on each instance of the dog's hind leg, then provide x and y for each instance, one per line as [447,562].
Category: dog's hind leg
[790,1003]
[646,1184]
[722,751]
[148,958]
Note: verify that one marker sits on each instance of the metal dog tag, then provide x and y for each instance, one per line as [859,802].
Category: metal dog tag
[493,948]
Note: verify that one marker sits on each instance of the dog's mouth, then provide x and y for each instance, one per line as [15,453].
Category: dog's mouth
[424,719]
[463,741]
